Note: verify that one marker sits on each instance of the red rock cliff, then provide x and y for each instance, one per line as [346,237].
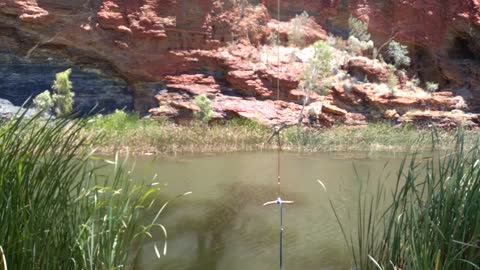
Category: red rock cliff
[148,40]
[443,35]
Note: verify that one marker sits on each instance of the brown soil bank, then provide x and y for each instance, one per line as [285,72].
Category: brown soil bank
[176,49]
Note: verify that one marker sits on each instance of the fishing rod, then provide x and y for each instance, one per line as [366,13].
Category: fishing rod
[279,201]
[276,133]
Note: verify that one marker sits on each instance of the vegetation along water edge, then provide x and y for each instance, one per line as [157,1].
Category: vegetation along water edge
[62,207]
[127,132]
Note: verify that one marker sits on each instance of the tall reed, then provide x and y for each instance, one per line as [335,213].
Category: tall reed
[56,211]
[432,220]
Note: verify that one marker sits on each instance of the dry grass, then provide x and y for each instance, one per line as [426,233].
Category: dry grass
[128,133]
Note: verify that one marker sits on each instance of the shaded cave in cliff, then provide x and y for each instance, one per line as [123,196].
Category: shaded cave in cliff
[425,65]
[25,78]
[28,67]
[463,47]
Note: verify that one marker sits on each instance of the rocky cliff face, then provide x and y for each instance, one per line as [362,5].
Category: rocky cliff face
[176,49]
[443,36]
[24,78]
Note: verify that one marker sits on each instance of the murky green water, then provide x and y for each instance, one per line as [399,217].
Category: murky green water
[223,225]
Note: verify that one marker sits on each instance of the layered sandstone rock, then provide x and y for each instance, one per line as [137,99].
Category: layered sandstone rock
[174,50]
[443,36]
[363,68]
[453,119]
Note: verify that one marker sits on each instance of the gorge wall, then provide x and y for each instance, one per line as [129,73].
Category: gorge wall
[443,35]
[177,48]
[25,78]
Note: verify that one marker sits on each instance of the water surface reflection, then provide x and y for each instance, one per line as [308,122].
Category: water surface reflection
[222,225]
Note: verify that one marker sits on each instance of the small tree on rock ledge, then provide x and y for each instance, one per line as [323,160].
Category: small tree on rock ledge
[63,95]
[43,102]
[297,31]
[358,29]
[205,105]
[317,69]
[398,54]
[62,98]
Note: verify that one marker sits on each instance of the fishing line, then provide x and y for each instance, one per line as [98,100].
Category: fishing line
[276,132]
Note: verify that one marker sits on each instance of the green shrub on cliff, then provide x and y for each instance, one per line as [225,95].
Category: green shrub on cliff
[297,33]
[317,69]
[358,29]
[63,95]
[62,98]
[43,101]
[431,87]
[397,54]
[359,37]
[205,105]
[357,47]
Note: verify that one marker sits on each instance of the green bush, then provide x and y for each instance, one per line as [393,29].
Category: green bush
[205,105]
[431,87]
[398,54]
[318,68]
[115,122]
[356,46]
[358,29]
[43,101]
[297,33]
[62,93]
[62,98]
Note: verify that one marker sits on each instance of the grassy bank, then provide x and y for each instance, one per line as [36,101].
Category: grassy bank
[127,132]
[432,222]
[58,209]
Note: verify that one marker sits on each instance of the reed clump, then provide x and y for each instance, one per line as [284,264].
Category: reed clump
[57,211]
[433,216]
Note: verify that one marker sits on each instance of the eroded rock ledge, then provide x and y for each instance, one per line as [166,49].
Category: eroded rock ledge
[354,103]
